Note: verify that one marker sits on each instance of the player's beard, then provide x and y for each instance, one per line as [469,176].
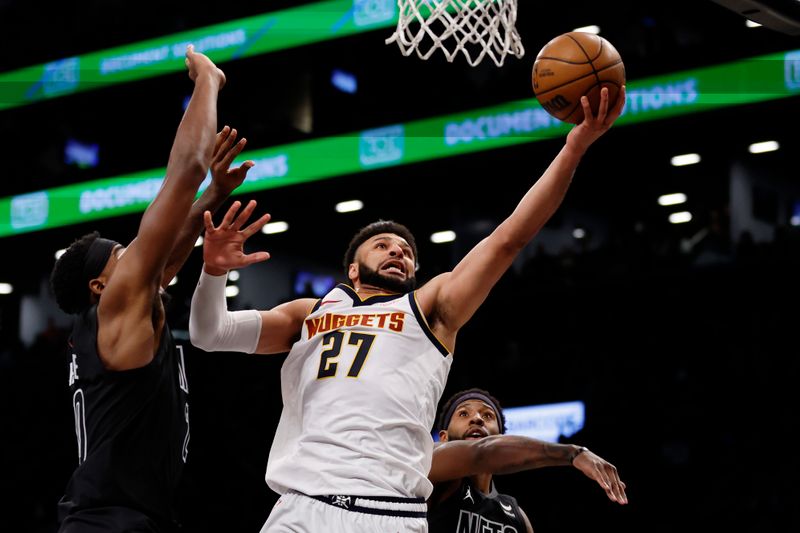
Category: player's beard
[372,277]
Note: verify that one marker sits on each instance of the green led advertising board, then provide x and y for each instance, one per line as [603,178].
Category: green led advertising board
[747,81]
[251,36]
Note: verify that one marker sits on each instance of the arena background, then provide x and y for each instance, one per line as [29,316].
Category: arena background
[679,338]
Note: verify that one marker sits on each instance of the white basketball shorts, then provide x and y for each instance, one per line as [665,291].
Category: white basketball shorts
[298,513]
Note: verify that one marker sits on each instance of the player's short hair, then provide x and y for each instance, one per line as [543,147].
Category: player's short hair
[84,260]
[381,226]
[450,406]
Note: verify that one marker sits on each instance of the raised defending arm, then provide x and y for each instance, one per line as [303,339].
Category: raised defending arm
[127,334]
[506,454]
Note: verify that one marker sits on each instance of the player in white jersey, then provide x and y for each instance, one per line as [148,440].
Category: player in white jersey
[368,362]
[359,356]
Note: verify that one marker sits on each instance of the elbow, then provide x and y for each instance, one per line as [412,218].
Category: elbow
[510,242]
[197,167]
[192,169]
[239,331]
[509,247]
[196,336]
[512,248]
[203,339]
[202,330]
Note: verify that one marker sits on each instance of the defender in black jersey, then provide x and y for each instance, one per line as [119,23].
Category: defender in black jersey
[473,449]
[127,376]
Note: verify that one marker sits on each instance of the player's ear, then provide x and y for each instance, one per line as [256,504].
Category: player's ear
[352,272]
[443,435]
[97,285]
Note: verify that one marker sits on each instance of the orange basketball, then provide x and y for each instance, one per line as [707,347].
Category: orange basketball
[572,65]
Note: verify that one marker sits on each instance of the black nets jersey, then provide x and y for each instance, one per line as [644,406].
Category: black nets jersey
[132,428]
[468,510]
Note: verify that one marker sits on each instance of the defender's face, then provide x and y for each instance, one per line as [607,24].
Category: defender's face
[472,420]
[387,254]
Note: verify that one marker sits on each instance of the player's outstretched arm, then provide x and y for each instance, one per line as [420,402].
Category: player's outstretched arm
[506,454]
[452,298]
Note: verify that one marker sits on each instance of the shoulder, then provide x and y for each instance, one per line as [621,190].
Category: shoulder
[299,308]
[507,499]
[525,519]
[507,503]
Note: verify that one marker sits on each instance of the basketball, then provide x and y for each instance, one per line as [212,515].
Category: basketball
[572,65]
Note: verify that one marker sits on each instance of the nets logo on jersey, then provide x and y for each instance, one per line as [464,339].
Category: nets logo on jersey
[474,523]
[332,321]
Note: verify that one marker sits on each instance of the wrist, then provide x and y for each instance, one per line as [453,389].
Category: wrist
[574,150]
[214,196]
[579,450]
[211,76]
[214,271]
[209,80]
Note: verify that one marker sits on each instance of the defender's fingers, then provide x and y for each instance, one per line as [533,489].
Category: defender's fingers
[619,487]
[614,484]
[242,217]
[241,171]
[622,487]
[256,226]
[226,144]
[255,257]
[207,221]
[227,220]
[610,491]
[221,136]
[603,481]
[231,153]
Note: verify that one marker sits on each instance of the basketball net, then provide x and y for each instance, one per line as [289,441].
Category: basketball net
[476,28]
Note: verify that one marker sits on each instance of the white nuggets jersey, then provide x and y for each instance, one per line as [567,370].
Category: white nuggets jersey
[360,390]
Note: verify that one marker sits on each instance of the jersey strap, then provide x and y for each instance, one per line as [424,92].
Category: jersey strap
[412,299]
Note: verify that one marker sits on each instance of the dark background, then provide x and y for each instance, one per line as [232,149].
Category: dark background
[686,359]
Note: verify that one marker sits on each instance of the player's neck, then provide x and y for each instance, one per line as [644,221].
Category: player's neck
[482,482]
[365,290]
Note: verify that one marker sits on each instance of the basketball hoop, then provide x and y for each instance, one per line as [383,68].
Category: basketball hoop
[476,28]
